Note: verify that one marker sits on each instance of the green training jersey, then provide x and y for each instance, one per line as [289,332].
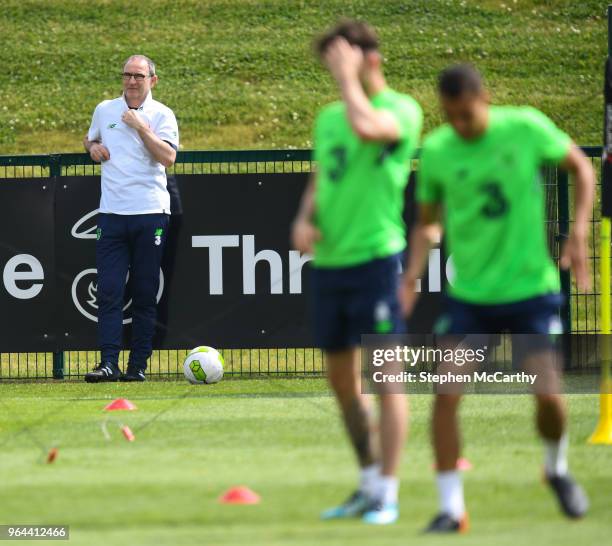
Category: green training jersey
[493,204]
[360,185]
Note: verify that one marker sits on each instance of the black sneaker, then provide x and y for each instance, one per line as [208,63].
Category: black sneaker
[103,372]
[133,373]
[444,523]
[572,498]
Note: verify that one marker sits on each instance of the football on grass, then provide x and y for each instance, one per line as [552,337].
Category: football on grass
[203,365]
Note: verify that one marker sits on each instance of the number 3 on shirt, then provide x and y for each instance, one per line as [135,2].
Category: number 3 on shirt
[339,157]
[496,204]
[338,154]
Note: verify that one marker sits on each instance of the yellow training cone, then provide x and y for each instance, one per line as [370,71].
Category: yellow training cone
[603,431]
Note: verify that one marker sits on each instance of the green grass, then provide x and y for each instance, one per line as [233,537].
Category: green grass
[241,74]
[284,440]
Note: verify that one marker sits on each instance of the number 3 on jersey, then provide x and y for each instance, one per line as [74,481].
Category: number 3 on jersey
[339,159]
[338,154]
[496,204]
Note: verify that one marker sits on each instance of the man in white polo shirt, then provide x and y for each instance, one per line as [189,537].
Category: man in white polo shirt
[136,139]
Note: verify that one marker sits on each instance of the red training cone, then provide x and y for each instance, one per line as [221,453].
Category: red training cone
[120,404]
[239,495]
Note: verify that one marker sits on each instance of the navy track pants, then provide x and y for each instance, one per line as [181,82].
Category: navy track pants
[131,244]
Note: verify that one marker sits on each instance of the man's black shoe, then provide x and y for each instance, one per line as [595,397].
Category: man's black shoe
[572,498]
[444,523]
[103,372]
[133,373]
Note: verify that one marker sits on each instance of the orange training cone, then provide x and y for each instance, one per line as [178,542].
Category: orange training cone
[463,464]
[127,432]
[120,404]
[52,455]
[239,495]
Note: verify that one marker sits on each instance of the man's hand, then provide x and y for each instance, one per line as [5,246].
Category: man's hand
[98,152]
[158,148]
[574,257]
[133,120]
[574,252]
[304,235]
[407,295]
[343,60]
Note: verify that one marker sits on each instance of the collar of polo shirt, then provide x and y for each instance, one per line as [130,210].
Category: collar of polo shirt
[147,100]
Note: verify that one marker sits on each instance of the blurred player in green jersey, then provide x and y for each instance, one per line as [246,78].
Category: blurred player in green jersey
[350,219]
[479,175]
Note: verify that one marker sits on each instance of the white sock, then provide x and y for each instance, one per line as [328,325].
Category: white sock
[555,456]
[450,489]
[388,487]
[369,479]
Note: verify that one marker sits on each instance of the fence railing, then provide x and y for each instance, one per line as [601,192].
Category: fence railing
[579,316]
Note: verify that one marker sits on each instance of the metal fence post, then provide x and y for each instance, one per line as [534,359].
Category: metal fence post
[55,170]
[563,219]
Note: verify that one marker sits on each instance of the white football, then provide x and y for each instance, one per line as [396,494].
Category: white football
[203,365]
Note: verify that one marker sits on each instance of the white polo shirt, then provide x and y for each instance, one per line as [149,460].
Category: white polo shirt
[133,181]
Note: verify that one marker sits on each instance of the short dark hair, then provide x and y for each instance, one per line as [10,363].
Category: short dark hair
[149,62]
[459,79]
[356,33]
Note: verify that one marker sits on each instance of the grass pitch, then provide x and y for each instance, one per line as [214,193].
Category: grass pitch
[241,73]
[283,439]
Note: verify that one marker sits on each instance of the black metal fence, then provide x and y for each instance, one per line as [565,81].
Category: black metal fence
[585,311]
[580,315]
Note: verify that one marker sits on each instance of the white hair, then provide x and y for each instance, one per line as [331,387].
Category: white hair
[149,62]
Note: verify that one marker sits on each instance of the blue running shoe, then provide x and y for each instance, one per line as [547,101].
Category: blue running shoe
[353,507]
[379,513]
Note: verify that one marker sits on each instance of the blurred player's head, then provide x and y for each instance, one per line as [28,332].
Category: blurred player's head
[138,77]
[358,34]
[464,100]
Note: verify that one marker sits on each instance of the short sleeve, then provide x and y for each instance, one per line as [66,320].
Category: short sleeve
[409,117]
[94,132]
[552,144]
[428,188]
[167,128]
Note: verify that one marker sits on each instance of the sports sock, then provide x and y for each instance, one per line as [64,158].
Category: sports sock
[387,490]
[369,479]
[555,456]
[450,489]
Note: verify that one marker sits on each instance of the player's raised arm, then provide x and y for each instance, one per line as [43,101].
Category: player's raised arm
[574,253]
[346,62]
